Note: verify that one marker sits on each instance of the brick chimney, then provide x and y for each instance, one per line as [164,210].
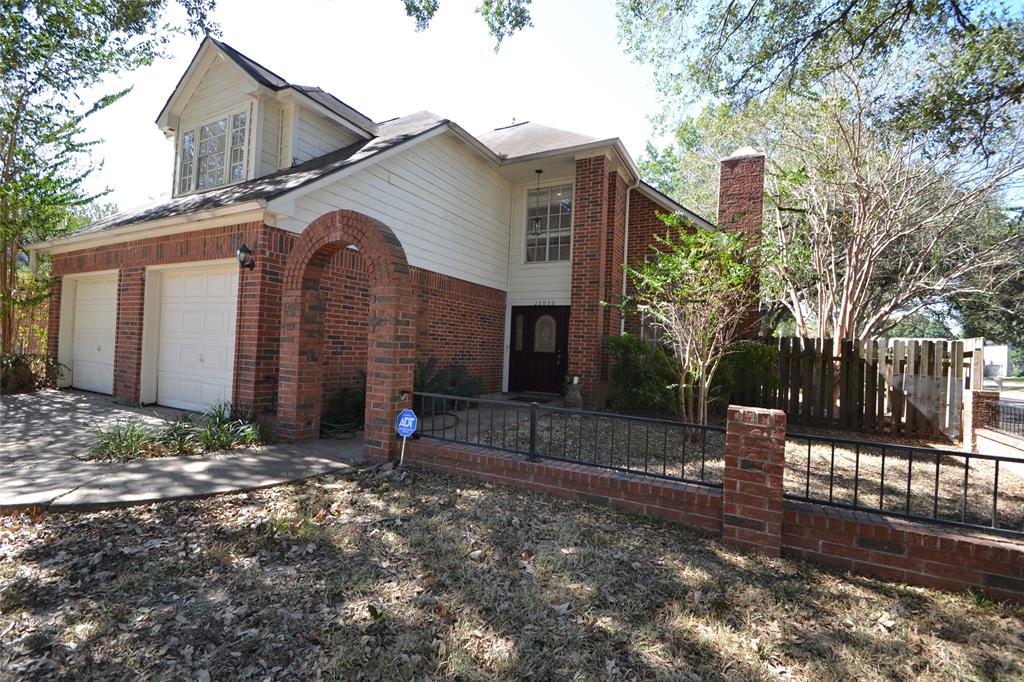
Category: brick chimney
[741,191]
[741,208]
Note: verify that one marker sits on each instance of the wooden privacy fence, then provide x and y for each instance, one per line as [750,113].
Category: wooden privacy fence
[910,387]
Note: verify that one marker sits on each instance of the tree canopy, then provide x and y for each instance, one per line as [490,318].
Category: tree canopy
[50,52]
[963,60]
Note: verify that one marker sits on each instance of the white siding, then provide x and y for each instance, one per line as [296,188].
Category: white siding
[449,208]
[224,87]
[318,136]
[270,115]
[535,283]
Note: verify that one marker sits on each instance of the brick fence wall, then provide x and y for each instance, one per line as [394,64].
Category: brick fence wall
[749,511]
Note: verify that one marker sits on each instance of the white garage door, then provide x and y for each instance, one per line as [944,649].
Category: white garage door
[197,337]
[92,346]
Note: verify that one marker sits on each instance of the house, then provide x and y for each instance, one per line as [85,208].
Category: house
[371,245]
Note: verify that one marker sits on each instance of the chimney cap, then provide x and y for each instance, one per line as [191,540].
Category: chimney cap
[743,152]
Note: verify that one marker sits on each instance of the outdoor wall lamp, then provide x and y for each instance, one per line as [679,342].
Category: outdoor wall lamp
[244,256]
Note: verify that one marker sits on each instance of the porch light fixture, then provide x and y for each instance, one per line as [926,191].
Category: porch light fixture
[535,230]
[244,256]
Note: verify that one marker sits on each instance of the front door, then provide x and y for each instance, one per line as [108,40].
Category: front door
[539,348]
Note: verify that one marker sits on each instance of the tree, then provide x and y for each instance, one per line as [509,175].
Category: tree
[49,52]
[693,291]
[964,61]
[503,17]
[863,227]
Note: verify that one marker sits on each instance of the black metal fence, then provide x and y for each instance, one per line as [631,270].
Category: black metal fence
[1010,418]
[653,447]
[945,486]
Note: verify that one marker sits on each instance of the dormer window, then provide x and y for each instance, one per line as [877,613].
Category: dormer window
[213,154]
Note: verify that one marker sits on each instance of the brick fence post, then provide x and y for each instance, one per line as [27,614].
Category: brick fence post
[981,408]
[752,484]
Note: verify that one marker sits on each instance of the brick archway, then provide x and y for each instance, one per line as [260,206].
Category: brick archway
[391,342]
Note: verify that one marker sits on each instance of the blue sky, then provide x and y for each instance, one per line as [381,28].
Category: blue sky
[568,71]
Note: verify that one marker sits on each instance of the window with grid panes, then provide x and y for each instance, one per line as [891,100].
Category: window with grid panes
[548,224]
[213,153]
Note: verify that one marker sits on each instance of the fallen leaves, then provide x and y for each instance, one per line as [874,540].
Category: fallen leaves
[370,576]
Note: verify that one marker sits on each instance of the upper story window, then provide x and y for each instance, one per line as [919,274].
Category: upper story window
[213,153]
[548,224]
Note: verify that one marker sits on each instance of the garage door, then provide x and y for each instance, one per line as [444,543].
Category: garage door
[197,337]
[92,346]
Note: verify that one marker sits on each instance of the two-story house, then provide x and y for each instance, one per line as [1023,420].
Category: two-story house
[305,244]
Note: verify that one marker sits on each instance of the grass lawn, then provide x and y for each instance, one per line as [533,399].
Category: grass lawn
[363,577]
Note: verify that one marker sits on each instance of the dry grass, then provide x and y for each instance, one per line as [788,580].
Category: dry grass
[365,577]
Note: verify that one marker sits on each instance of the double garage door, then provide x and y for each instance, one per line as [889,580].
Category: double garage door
[194,344]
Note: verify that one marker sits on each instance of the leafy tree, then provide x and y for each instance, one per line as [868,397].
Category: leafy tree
[693,292]
[863,227]
[963,75]
[503,17]
[50,51]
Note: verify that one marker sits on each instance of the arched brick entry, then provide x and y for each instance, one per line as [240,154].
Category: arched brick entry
[391,342]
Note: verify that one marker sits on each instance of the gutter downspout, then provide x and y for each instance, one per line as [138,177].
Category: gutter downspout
[625,254]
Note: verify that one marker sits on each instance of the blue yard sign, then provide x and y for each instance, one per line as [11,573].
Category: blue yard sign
[406,426]
[406,423]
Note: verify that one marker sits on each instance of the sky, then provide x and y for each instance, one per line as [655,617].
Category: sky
[568,71]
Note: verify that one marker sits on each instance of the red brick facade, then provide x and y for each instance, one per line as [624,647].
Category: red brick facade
[749,511]
[456,321]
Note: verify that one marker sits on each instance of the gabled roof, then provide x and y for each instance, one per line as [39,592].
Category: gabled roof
[393,134]
[268,79]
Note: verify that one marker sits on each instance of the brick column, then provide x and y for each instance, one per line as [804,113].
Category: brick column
[981,408]
[131,292]
[589,268]
[258,325]
[615,248]
[752,485]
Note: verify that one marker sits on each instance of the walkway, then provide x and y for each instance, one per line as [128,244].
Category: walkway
[42,436]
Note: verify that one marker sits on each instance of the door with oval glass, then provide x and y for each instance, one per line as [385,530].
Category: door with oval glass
[539,348]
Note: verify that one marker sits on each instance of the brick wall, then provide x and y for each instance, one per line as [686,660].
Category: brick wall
[749,511]
[644,228]
[981,408]
[130,260]
[589,272]
[615,246]
[915,553]
[694,505]
[457,322]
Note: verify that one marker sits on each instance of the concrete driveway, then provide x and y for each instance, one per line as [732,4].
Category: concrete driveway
[43,435]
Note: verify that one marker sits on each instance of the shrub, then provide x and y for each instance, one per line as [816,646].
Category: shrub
[643,377]
[746,368]
[455,381]
[125,440]
[180,435]
[27,372]
[223,427]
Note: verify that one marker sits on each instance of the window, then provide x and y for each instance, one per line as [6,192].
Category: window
[548,224]
[213,154]
[544,334]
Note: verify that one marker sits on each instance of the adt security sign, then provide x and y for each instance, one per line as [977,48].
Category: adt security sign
[406,423]
[406,426]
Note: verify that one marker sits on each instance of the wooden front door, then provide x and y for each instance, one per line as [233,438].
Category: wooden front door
[539,348]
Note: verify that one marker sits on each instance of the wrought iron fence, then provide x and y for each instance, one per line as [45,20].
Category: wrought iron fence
[653,447]
[1010,417]
[945,486]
